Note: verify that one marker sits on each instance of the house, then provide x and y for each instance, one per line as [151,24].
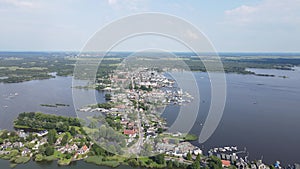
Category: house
[58,141]
[18,145]
[21,134]
[225,163]
[130,133]
[42,133]
[261,165]
[197,151]
[253,166]
[164,147]
[83,150]
[68,148]
[241,164]
[25,152]
[178,134]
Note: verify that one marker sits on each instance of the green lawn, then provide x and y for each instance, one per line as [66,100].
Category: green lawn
[21,160]
[99,160]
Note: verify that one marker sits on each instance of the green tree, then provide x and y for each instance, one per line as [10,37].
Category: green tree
[52,135]
[195,165]
[176,163]
[160,130]
[198,158]
[68,156]
[4,134]
[159,159]
[73,131]
[107,96]
[170,164]
[49,150]
[214,162]
[133,162]
[64,140]
[30,137]
[189,156]
[42,149]
[39,157]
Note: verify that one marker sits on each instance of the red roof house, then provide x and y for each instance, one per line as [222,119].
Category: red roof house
[225,163]
[129,132]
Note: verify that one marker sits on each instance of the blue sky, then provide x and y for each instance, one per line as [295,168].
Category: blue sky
[231,25]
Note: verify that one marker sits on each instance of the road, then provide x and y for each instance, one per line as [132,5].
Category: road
[136,148]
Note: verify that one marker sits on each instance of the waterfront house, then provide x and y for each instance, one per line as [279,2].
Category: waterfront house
[42,133]
[83,150]
[241,164]
[21,134]
[225,163]
[164,147]
[261,165]
[25,152]
[197,151]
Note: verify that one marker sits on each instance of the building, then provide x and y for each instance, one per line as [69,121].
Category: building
[83,150]
[130,133]
[225,163]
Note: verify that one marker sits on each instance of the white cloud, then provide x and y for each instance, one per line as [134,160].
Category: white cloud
[266,12]
[112,2]
[19,3]
[192,35]
[131,5]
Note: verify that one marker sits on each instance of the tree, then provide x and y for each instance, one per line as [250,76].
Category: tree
[49,150]
[39,157]
[133,162]
[189,156]
[107,96]
[214,163]
[52,136]
[68,156]
[30,137]
[4,134]
[159,159]
[99,151]
[65,139]
[169,164]
[160,130]
[42,149]
[73,131]
[195,165]
[198,158]
[176,163]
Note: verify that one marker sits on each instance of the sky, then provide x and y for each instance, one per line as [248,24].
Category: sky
[230,25]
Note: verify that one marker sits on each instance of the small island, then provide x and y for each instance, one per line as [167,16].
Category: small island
[55,105]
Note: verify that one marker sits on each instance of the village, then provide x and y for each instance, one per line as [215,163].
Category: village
[136,100]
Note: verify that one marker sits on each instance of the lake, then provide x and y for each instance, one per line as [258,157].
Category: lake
[261,113]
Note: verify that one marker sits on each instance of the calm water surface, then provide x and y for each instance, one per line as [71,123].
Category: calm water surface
[261,114]
[76,165]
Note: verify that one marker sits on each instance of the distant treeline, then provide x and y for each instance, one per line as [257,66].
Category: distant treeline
[25,66]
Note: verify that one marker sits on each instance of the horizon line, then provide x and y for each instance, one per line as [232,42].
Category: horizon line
[223,52]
